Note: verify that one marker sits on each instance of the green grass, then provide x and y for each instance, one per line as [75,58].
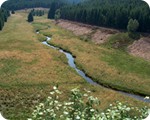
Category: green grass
[9,66]
[127,63]
[119,41]
[39,26]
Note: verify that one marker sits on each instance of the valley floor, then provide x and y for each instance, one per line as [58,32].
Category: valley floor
[29,70]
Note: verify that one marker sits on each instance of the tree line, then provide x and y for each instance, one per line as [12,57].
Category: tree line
[37,12]
[4,14]
[22,4]
[33,13]
[109,13]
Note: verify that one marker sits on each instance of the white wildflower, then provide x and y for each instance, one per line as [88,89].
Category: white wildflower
[29,119]
[78,117]
[92,110]
[54,87]
[85,95]
[52,93]
[66,113]
[49,98]
[40,113]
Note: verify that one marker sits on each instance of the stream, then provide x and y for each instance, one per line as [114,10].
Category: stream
[71,62]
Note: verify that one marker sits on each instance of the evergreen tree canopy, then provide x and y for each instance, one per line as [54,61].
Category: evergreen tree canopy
[30,17]
[54,6]
[37,12]
[109,13]
[12,12]
[132,28]
[57,14]
[22,4]
[4,14]
[133,25]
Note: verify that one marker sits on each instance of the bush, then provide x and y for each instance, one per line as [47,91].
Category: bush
[132,28]
[82,107]
[134,35]
[12,12]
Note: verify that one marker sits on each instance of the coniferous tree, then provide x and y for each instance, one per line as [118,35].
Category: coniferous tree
[23,4]
[57,14]
[1,25]
[12,12]
[51,13]
[107,13]
[40,13]
[30,17]
[4,14]
[43,12]
[132,28]
[8,13]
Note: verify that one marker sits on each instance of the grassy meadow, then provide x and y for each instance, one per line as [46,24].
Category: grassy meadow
[29,69]
[110,67]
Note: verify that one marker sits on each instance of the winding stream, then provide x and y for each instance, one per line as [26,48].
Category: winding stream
[83,75]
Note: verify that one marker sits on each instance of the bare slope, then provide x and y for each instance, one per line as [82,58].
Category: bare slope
[98,34]
[141,48]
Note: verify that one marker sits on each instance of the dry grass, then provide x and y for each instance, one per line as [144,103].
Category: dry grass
[28,69]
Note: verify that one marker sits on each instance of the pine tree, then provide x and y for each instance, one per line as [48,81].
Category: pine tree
[1,26]
[132,28]
[51,13]
[57,14]
[12,12]
[30,17]
[40,12]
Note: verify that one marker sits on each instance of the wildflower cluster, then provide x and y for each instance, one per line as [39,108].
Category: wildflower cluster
[82,107]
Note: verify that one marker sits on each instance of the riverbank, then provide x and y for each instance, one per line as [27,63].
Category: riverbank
[110,67]
[71,63]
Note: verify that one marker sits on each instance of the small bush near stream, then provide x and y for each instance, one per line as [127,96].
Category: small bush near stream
[82,106]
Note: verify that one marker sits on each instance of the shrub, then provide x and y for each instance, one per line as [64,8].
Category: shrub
[132,28]
[12,12]
[82,107]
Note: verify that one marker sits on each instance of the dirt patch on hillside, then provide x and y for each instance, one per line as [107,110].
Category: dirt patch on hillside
[100,37]
[76,28]
[141,48]
[97,34]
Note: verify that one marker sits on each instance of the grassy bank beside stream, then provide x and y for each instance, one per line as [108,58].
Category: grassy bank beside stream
[110,67]
[28,69]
